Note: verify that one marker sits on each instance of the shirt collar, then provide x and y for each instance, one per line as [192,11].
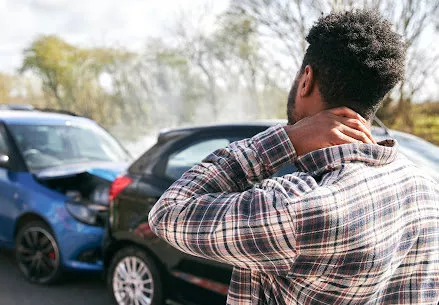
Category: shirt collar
[327,159]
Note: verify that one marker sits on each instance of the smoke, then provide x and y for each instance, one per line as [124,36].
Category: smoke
[196,78]
[235,107]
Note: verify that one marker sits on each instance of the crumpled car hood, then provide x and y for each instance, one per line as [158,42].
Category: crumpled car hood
[105,170]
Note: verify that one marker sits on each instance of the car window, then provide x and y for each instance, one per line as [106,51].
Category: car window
[90,144]
[54,142]
[183,160]
[44,146]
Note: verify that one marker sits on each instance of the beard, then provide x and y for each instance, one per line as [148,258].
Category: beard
[291,105]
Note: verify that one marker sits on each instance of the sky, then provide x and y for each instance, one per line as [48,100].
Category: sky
[99,23]
[91,23]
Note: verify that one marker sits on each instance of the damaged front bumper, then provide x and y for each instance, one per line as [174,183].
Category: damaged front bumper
[80,225]
[81,245]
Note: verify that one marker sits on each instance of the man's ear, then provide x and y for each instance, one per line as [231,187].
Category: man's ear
[307,83]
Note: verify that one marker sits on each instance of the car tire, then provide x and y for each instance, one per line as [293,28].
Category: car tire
[37,253]
[134,275]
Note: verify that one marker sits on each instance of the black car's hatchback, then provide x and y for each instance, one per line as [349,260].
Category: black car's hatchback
[142,269]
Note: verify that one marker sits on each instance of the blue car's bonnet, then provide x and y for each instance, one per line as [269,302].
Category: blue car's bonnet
[105,170]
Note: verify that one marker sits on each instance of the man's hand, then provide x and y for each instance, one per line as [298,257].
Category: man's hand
[329,128]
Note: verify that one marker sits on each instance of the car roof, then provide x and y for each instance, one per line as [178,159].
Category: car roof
[39,117]
[169,133]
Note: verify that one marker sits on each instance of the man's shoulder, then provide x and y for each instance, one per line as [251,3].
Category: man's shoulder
[419,173]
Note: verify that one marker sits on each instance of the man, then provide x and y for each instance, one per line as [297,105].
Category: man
[357,224]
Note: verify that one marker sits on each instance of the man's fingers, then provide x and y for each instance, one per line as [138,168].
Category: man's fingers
[343,138]
[356,124]
[355,134]
[347,112]
[328,128]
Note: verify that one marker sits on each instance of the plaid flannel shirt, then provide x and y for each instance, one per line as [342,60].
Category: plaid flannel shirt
[357,224]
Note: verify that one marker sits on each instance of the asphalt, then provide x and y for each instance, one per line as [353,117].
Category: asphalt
[74,289]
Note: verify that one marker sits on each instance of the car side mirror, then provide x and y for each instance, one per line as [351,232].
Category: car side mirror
[4,161]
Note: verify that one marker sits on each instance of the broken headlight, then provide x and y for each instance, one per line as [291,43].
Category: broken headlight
[84,211]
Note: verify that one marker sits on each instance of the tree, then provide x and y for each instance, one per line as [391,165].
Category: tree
[282,26]
[6,86]
[239,52]
[202,51]
[70,75]
[51,59]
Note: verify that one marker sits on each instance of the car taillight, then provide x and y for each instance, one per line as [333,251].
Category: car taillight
[119,184]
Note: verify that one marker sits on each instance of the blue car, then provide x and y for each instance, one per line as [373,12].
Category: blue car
[55,174]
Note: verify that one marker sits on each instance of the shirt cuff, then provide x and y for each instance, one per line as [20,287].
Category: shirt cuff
[275,148]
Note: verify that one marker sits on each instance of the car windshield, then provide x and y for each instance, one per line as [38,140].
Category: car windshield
[44,146]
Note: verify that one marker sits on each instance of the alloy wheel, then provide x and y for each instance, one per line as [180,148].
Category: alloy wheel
[133,282]
[37,254]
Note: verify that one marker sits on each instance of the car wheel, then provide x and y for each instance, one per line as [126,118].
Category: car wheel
[37,253]
[134,279]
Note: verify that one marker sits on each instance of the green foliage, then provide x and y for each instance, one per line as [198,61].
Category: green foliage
[70,75]
[6,86]
[424,117]
[425,121]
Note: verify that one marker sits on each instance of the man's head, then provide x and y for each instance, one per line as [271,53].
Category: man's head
[353,59]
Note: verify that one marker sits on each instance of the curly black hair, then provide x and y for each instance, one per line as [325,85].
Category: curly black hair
[356,57]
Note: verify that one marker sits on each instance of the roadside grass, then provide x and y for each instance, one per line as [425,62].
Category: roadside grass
[425,122]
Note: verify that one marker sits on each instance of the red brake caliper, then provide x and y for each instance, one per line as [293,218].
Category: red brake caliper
[52,255]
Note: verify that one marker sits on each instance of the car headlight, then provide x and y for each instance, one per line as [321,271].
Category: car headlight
[82,213]
[100,195]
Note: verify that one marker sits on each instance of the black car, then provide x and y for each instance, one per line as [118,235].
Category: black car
[134,256]
[142,267]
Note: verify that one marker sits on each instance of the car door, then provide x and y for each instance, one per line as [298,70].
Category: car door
[9,195]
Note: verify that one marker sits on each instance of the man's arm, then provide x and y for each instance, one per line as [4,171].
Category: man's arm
[207,213]
[218,210]
[243,163]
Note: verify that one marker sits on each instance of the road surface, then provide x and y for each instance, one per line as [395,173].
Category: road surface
[77,289]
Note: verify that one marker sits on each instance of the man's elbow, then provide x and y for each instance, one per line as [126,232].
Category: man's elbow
[154,218]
